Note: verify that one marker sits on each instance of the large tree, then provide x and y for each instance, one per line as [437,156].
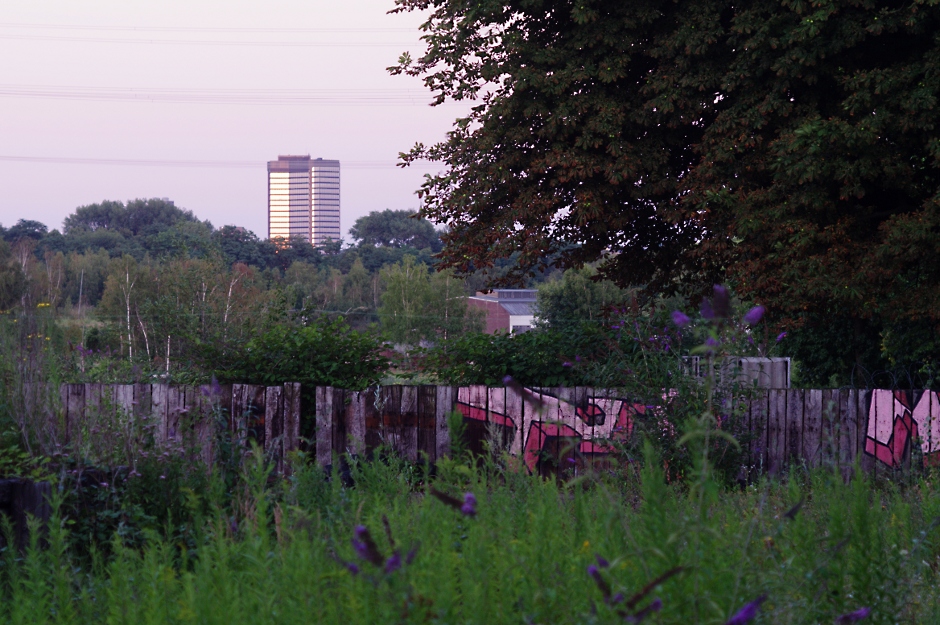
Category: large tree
[400,228]
[791,147]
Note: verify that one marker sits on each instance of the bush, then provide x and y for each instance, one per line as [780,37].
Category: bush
[324,352]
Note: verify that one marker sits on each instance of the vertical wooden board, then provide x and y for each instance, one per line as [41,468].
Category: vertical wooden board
[206,405]
[777,432]
[124,400]
[175,403]
[273,417]
[142,403]
[76,414]
[256,417]
[758,426]
[272,400]
[427,397]
[555,444]
[237,422]
[91,424]
[829,428]
[373,409]
[497,435]
[292,407]
[159,402]
[62,426]
[324,429]
[390,416]
[409,423]
[812,427]
[794,449]
[444,404]
[355,415]
[853,426]
[844,452]
[338,422]
[515,406]
[868,463]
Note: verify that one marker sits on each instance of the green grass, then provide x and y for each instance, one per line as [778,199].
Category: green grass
[276,554]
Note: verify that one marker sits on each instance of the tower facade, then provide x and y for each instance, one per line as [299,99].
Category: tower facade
[303,198]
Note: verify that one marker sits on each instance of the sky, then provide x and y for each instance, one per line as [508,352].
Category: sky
[188,100]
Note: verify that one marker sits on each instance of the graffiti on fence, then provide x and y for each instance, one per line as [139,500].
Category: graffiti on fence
[536,425]
[894,426]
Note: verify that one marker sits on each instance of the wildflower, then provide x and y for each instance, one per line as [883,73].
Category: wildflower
[655,606]
[754,315]
[601,561]
[602,584]
[365,547]
[103,484]
[162,477]
[469,507]
[566,364]
[853,617]
[393,563]
[680,318]
[352,567]
[781,336]
[507,379]
[747,613]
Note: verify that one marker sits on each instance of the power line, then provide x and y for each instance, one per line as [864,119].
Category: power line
[210,164]
[210,42]
[265,97]
[196,29]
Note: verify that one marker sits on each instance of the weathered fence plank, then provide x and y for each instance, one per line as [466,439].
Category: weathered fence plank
[444,404]
[812,427]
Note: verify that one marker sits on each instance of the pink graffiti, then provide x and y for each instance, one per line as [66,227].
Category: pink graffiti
[893,426]
[543,423]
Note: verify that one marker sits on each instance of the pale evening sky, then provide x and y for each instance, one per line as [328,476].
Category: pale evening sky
[114,99]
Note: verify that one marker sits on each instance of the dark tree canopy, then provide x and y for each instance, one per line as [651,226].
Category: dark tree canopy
[135,218]
[790,147]
[390,228]
[25,228]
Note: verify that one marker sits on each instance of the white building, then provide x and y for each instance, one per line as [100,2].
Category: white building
[303,198]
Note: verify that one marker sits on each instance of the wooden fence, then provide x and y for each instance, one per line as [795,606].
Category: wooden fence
[542,427]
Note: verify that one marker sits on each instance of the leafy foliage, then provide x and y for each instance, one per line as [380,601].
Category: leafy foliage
[400,228]
[320,352]
[792,147]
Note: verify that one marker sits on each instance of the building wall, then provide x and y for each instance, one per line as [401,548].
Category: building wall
[496,316]
[324,190]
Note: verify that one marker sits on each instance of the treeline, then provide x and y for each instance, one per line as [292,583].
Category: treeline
[146,289]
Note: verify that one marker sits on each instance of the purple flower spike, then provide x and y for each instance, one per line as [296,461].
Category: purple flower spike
[365,547]
[566,364]
[754,315]
[747,613]
[361,549]
[393,563]
[469,506]
[853,617]
[680,318]
[507,379]
[600,581]
[352,568]
[639,617]
[781,336]
[601,561]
